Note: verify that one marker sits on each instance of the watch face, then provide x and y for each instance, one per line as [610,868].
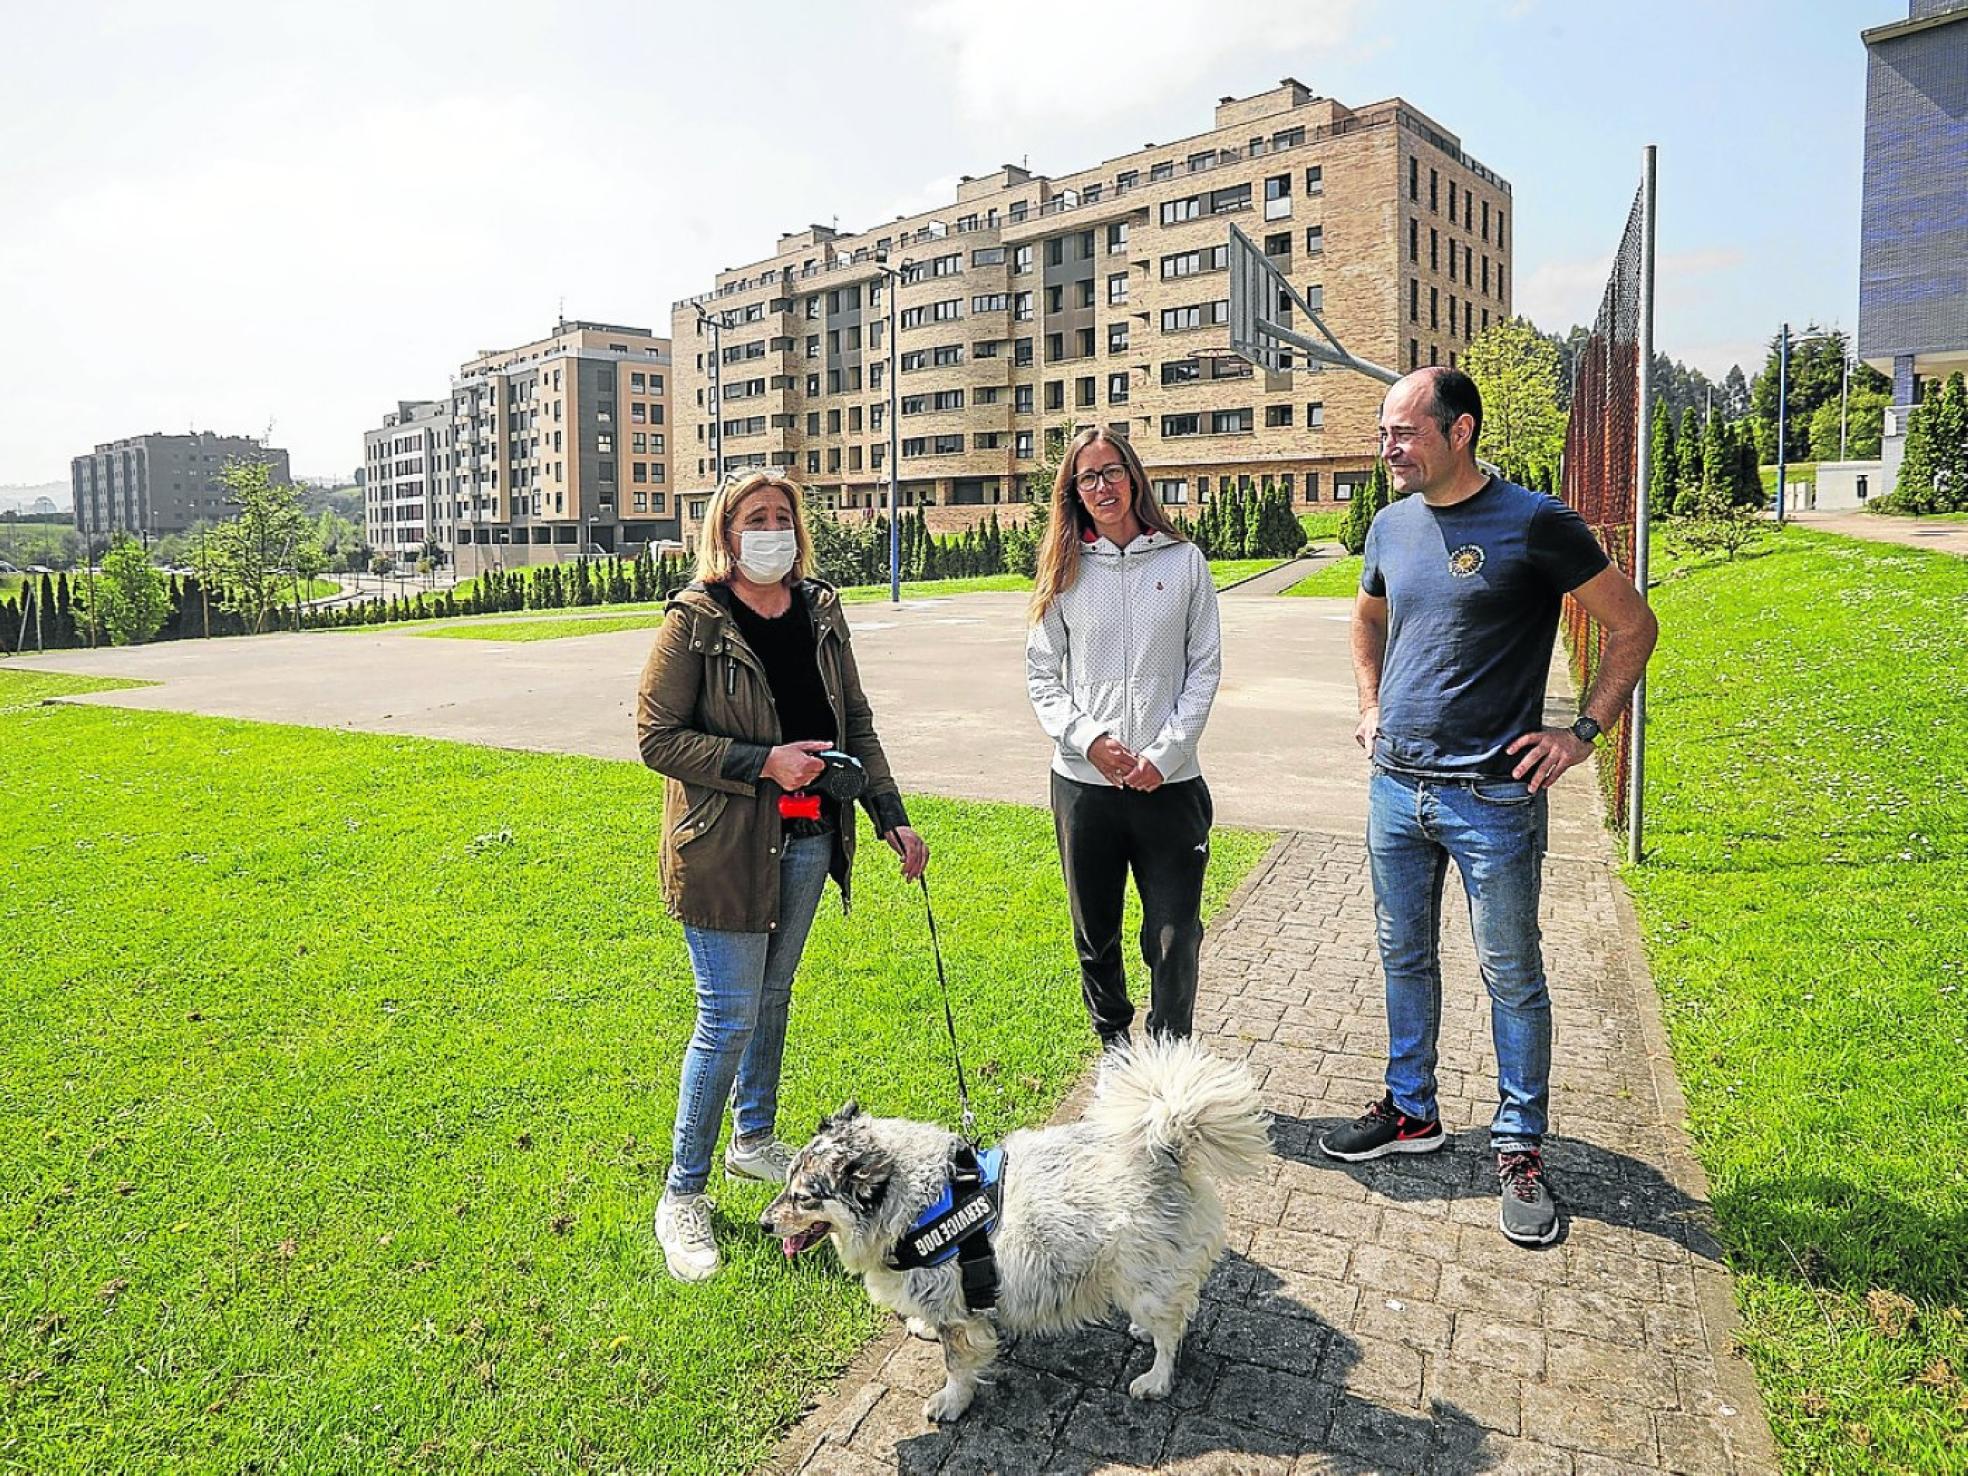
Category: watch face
[1587,730]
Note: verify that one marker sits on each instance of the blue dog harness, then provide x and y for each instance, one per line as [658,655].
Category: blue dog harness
[958,1225]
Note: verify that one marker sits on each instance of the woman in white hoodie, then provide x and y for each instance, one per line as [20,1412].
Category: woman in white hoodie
[1122,661]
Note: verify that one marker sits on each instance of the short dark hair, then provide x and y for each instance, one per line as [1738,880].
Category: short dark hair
[1456,395]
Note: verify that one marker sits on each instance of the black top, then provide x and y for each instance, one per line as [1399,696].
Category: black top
[785,647]
[1473,593]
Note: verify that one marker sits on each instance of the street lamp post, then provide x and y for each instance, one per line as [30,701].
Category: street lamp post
[715,322]
[1783,407]
[895,276]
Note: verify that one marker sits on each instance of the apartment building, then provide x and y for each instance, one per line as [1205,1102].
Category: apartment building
[1913,234]
[1034,302]
[560,448]
[152,485]
[406,481]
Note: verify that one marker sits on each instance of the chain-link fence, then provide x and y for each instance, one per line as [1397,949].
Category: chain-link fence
[1601,448]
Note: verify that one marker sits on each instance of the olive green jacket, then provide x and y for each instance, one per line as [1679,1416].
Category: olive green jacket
[705,719]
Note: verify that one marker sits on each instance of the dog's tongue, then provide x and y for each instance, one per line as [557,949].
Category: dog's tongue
[805,1240]
[791,1246]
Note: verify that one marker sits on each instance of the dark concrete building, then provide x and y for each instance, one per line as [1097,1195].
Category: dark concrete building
[1913,231]
[158,484]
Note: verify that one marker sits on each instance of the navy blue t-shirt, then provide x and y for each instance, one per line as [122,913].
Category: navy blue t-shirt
[1473,593]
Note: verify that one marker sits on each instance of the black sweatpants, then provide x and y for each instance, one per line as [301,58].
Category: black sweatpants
[1163,837]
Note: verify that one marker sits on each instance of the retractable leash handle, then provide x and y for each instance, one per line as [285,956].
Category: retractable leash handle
[967,1120]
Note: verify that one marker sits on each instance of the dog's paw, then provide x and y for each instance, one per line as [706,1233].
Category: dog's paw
[1151,1385]
[946,1404]
[921,1329]
[1139,1333]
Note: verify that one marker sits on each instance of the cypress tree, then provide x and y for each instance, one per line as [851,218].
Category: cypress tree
[1914,489]
[1949,433]
[1688,457]
[1664,477]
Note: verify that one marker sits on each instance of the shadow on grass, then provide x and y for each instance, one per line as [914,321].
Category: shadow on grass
[1261,1376]
[1840,1235]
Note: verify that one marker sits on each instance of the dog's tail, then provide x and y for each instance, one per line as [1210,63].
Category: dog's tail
[1175,1098]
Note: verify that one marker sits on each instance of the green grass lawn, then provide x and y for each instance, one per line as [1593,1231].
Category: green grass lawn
[1806,912]
[339,1076]
[1323,526]
[1234,571]
[1338,580]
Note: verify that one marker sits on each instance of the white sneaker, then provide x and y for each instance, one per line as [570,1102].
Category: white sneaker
[683,1229]
[767,1160]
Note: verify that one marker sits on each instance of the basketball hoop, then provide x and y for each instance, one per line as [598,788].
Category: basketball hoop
[1261,297]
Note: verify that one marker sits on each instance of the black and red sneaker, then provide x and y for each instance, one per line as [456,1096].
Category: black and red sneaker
[1383,1129]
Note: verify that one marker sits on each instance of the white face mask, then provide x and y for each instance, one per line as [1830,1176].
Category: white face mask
[766,558]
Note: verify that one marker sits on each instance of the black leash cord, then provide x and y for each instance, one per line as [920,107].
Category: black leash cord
[969,1120]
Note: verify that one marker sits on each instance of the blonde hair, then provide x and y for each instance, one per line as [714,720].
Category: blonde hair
[1067,522]
[717,548]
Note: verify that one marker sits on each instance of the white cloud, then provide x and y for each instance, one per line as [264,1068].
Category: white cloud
[1068,65]
[1557,294]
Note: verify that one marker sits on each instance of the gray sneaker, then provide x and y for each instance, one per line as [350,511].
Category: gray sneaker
[767,1160]
[1527,1214]
[683,1229]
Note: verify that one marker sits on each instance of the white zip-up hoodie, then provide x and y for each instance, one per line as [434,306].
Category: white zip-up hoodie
[1132,650]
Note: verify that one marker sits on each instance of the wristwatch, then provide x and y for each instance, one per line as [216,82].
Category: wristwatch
[1586,729]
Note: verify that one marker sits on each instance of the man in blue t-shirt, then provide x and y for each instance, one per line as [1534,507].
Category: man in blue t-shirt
[1452,637]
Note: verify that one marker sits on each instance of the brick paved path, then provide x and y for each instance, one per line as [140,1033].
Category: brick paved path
[1370,1317]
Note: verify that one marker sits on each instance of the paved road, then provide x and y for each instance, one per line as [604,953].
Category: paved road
[1882,528]
[946,677]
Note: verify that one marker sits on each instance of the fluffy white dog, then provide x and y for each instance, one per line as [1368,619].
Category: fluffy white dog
[1117,1211]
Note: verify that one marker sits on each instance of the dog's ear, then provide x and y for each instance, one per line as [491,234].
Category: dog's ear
[850,1110]
[864,1177]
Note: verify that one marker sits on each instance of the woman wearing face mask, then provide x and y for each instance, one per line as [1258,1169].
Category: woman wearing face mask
[751,677]
[1122,661]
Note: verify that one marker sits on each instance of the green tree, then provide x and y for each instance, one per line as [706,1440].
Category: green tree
[131,592]
[1718,470]
[257,546]
[1949,430]
[1664,476]
[1688,455]
[1516,369]
[1366,502]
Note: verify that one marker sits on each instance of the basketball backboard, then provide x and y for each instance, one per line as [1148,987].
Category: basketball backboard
[1262,298]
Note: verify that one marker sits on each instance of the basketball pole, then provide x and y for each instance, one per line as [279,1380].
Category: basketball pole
[1636,776]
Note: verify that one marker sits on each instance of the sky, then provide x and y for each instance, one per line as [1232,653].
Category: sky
[232,216]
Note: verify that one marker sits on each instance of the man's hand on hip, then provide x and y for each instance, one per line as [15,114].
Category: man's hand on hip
[1546,755]
[1368,730]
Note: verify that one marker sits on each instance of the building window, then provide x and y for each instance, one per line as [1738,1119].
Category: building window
[1181,425]
[1315,240]
[1161,171]
[1117,235]
[1276,416]
[1414,354]
[1277,197]
[1021,351]
[1174,212]
[1414,178]
[1021,399]
[1279,244]
[1021,445]
[1117,338]
[1117,389]
[1315,417]
[1021,259]
[1117,288]
[1083,391]
[1021,307]
[1414,299]
[1434,191]
[1230,422]
[1055,394]
[1171,491]
[1315,180]
[1434,308]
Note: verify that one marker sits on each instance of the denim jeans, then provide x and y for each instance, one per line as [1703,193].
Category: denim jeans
[1495,831]
[744,991]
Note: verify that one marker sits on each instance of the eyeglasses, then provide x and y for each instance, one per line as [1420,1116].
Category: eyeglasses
[1113,476]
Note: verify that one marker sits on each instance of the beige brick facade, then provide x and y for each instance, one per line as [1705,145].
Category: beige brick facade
[1035,302]
[563,448]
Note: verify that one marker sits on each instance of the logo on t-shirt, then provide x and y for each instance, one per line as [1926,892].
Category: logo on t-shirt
[1466,560]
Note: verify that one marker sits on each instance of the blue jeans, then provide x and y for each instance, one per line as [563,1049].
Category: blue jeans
[1495,831]
[744,991]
